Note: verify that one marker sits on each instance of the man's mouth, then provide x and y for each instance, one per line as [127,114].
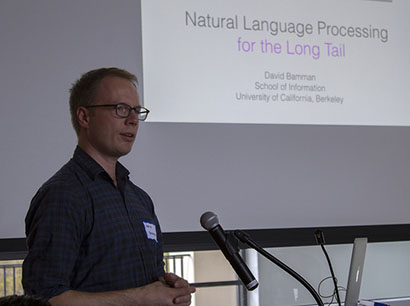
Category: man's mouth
[130,135]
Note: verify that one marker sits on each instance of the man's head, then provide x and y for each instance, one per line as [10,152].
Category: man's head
[23,300]
[83,91]
[106,110]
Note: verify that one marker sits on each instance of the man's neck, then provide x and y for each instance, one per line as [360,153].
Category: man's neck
[107,163]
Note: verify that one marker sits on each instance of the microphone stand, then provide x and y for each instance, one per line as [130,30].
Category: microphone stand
[245,238]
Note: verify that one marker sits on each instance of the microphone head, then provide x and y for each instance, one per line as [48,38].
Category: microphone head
[209,220]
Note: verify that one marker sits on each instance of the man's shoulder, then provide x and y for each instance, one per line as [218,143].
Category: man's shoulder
[67,175]
[69,181]
[60,196]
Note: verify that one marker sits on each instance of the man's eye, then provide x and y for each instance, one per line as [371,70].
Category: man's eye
[122,108]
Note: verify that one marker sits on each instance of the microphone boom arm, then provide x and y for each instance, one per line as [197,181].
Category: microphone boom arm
[245,238]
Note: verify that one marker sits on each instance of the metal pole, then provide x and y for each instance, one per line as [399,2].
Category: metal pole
[4,281]
[14,280]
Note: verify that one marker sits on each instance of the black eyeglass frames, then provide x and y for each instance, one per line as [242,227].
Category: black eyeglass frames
[123,110]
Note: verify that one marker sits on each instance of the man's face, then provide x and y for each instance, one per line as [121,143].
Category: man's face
[109,135]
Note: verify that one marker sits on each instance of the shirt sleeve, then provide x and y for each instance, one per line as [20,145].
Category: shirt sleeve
[54,226]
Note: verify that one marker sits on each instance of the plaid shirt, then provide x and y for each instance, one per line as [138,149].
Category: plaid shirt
[85,234]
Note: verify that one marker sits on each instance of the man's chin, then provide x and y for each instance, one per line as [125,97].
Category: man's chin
[124,151]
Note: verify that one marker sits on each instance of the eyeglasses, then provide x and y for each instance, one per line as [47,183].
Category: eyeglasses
[124,110]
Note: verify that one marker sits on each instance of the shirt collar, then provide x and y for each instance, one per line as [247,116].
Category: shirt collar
[92,168]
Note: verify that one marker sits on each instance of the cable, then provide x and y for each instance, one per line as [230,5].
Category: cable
[321,240]
[332,296]
[320,284]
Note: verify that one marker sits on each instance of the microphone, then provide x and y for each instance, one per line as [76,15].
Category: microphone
[209,221]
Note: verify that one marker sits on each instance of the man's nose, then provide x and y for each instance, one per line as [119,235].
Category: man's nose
[133,116]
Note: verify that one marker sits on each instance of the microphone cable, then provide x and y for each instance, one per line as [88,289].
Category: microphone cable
[321,240]
[331,296]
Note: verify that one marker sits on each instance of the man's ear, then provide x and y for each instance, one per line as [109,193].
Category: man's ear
[83,116]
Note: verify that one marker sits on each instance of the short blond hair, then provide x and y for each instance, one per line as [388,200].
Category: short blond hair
[85,88]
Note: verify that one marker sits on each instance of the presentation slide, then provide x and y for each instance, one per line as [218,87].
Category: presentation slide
[208,61]
[277,62]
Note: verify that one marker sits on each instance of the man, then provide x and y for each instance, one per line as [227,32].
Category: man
[92,235]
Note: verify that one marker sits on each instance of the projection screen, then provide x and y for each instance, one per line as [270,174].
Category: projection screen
[235,125]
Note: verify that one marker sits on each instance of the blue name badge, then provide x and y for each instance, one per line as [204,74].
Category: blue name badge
[151,231]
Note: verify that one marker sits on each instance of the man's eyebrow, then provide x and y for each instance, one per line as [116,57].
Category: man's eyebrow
[138,106]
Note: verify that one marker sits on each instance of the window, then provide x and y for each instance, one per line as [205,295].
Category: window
[10,274]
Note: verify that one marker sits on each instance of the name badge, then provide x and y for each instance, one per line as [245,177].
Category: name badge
[151,231]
